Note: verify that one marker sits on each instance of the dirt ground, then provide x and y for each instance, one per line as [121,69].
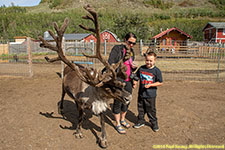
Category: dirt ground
[189,113]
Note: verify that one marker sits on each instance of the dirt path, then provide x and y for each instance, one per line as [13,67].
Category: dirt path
[188,113]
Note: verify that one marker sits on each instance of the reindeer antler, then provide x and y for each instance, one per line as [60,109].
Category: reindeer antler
[58,47]
[94,19]
[89,75]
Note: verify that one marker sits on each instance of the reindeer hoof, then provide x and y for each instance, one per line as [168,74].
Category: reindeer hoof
[78,135]
[103,143]
[60,111]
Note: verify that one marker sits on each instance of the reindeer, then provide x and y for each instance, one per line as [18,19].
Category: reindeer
[90,88]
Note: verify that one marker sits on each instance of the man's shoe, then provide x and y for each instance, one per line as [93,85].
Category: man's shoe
[155,127]
[138,125]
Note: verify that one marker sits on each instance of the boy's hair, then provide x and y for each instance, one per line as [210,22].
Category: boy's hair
[150,53]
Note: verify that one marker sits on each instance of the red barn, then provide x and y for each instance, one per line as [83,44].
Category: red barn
[214,32]
[108,36]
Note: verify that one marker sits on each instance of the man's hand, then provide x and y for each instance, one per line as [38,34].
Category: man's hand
[134,84]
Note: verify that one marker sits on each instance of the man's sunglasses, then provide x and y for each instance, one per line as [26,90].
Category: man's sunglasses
[129,42]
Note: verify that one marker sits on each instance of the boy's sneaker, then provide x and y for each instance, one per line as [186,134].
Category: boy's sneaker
[138,125]
[155,127]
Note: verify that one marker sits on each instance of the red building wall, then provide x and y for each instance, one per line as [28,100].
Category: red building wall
[220,36]
[107,36]
[90,38]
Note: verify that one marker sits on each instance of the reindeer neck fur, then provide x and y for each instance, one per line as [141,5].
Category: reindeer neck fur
[94,97]
[87,96]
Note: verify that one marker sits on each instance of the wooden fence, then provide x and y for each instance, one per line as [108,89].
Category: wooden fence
[213,51]
[19,61]
[4,49]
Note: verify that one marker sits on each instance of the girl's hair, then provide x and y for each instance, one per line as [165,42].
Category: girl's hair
[150,53]
[129,35]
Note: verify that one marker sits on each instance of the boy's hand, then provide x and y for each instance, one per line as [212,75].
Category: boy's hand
[147,86]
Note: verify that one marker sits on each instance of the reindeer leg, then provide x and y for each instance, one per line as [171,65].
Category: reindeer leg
[78,133]
[103,139]
[60,105]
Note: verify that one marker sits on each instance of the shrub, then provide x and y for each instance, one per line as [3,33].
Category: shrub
[219,3]
[55,3]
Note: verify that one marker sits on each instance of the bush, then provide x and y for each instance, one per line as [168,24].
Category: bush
[159,16]
[55,3]
[219,3]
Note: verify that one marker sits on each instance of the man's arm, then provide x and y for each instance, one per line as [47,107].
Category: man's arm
[114,55]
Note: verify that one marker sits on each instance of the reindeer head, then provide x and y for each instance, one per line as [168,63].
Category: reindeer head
[108,82]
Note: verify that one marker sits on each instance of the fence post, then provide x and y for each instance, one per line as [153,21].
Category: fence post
[76,49]
[155,45]
[141,45]
[93,47]
[218,68]
[105,47]
[29,56]
[8,48]
[199,51]
[62,63]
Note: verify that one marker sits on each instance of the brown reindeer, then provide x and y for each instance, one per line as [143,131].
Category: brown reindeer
[89,88]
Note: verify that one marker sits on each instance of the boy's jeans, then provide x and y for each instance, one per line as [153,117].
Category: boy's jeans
[147,105]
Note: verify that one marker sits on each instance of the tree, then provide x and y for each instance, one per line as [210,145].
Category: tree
[131,23]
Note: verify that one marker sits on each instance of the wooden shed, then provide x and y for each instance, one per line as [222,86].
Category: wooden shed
[171,39]
[214,32]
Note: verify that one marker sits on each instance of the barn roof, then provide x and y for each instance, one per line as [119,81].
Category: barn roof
[169,30]
[217,25]
[75,36]
[113,34]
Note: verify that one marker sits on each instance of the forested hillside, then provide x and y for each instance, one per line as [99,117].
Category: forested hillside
[143,17]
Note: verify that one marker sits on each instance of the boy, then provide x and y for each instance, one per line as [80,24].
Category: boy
[150,77]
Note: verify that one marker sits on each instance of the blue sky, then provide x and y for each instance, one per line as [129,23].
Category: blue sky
[19,2]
